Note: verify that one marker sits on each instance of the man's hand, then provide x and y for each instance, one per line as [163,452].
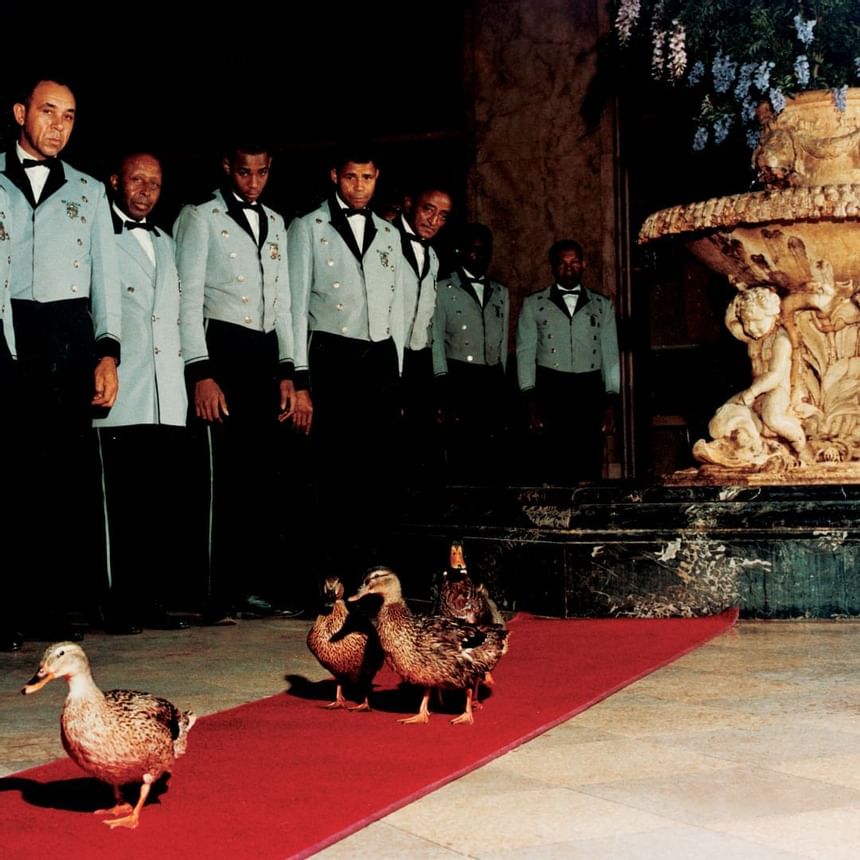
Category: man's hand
[288,399]
[106,382]
[209,401]
[534,417]
[302,412]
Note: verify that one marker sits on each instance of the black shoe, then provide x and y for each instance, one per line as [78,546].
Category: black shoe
[11,640]
[54,630]
[258,607]
[158,619]
[117,625]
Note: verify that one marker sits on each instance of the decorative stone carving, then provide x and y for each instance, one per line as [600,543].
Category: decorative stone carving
[793,253]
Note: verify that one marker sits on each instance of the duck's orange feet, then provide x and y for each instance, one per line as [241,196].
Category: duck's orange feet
[119,809]
[420,717]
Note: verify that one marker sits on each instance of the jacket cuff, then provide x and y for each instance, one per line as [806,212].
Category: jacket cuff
[198,370]
[108,347]
[302,380]
[285,370]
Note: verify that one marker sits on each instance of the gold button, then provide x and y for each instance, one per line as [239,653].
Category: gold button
[83,219]
[77,264]
[329,262]
[464,327]
[344,330]
[74,288]
[470,358]
[241,279]
[156,350]
[233,255]
[339,306]
[248,320]
[323,241]
[225,234]
[336,285]
[245,300]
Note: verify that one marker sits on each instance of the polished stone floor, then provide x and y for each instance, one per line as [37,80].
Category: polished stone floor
[749,747]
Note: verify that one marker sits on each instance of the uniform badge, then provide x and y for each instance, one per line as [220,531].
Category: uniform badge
[3,234]
[73,209]
[274,252]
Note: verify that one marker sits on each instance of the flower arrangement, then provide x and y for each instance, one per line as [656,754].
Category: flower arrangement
[739,53]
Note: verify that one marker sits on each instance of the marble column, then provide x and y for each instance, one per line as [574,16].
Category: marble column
[544,155]
[542,170]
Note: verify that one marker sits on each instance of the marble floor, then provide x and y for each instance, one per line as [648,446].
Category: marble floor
[749,747]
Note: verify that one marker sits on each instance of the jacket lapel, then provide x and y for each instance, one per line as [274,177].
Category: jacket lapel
[237,213]
[339,221]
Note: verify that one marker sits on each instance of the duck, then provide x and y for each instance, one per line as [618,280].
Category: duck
[461,597]
[346,644]
[119,737]
[430,651]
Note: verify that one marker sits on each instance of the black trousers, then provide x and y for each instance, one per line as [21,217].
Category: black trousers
[355,388]
[477,413]
[243,467]
[421,458]
[145,550]
[572,407]
[55,470]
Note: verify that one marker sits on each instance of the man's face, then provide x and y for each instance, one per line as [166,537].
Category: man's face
[429,213]
[138,185]
[248,173]
[46,120]
[356,183]
[476,256]
[568,269]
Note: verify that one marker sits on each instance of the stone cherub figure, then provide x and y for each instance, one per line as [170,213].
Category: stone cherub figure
[748,428]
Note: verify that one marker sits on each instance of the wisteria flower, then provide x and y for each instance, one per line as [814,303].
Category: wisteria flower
[777,100]
[804,29]
[700,138]
[722,126]
[677,51]
[625,20]
[762,75]
[723,70]
[697,72]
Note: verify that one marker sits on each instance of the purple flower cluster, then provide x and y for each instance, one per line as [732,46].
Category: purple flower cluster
[723,69]
[804,29]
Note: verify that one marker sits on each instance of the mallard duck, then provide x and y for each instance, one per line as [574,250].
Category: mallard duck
[346,644]
[461,597]
[119,737]
[431,651]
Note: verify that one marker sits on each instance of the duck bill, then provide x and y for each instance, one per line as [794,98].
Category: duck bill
[36,683]
[358,595]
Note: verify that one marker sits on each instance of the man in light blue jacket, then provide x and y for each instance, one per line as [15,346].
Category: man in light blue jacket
[236,333]
[345,269]
[141,440]
[470,350]
[568,369]
[67,318]
[426,211]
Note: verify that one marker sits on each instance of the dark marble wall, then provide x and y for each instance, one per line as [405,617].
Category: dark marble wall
[775,552]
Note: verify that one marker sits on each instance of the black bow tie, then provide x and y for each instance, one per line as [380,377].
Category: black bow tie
[32,162]
[254,207]
[571,292]
[349,212]
[139,225]
[418,240]
[481,282]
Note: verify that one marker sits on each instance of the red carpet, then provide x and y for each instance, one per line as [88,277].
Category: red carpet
[283,778]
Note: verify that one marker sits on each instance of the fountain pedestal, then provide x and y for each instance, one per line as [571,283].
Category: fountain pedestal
[793,253]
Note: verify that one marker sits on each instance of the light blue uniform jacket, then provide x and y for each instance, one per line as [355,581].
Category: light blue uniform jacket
[548,337]
[465,331]
[419,293]
[225,275]
[151,377]
[63,248]
[6,270]
[342,291]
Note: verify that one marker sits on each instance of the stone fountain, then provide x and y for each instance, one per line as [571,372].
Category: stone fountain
[792,251]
